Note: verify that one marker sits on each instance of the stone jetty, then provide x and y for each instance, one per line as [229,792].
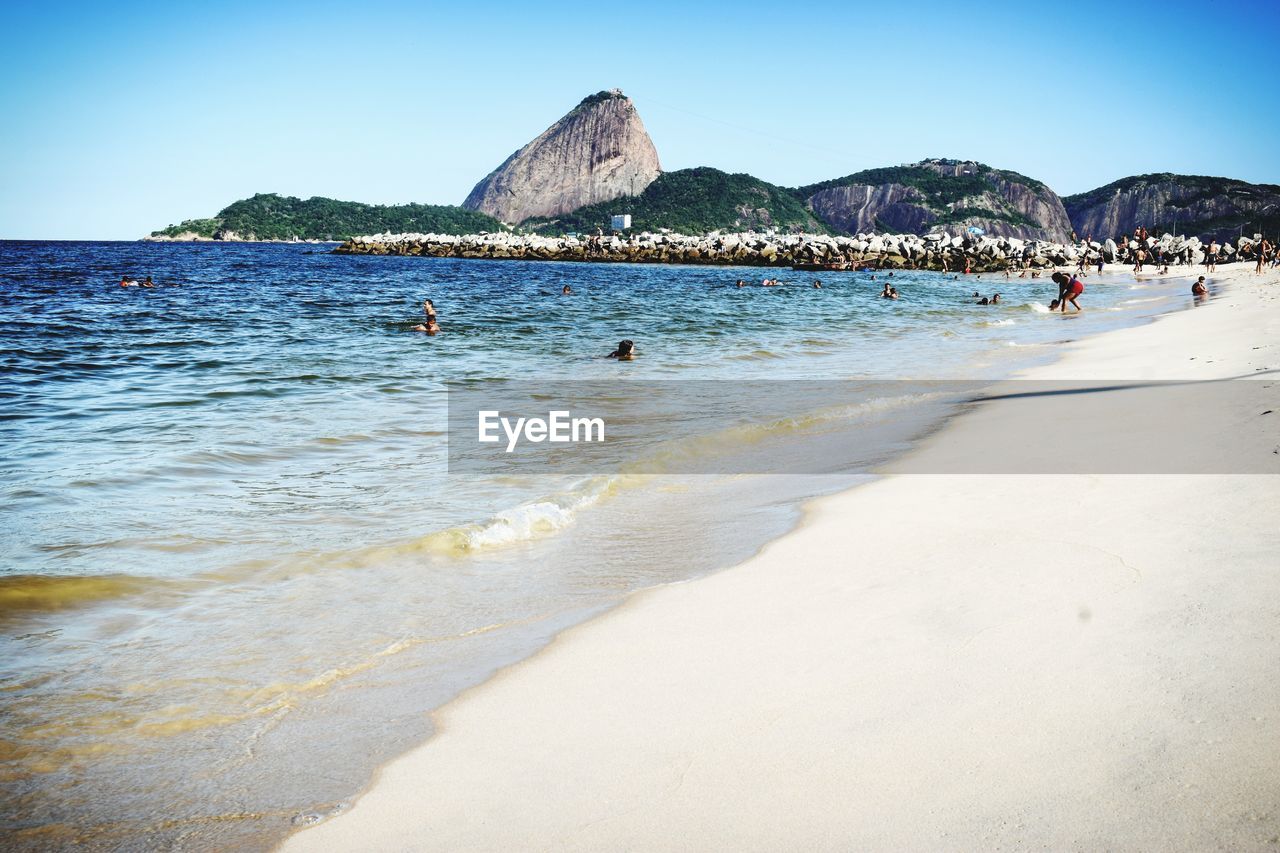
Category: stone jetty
[937,251]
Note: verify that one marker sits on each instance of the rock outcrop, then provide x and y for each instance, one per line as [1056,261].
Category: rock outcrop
[1194,204]
[598,152]
[950,195]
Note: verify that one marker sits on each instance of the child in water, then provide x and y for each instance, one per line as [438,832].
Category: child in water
[626,351]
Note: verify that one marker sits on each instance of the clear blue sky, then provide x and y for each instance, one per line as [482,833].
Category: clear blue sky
[119,118]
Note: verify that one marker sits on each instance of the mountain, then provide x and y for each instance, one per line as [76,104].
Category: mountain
[268,216]
[693,201]
[940,195]
[1194,205]
[598,152]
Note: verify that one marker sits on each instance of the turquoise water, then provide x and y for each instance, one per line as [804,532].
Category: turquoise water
[234,573]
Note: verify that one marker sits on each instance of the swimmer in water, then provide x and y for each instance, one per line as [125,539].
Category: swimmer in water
[741,283]
[429,309]
[125,281]
[626,351]
[148,282]
[817,284]
[566,291]
[995,300]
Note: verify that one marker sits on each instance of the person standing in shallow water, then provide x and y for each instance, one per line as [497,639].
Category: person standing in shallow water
[430,326]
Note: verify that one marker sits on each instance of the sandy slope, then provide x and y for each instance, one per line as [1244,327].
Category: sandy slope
[929,662]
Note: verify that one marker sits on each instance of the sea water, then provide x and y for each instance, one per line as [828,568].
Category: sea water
[235,573]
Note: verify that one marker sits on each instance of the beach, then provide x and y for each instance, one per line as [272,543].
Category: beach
[930,661]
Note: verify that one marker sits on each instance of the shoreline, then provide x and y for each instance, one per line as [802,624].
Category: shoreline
[592,724]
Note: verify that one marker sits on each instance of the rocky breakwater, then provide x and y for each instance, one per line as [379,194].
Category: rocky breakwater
[936,251]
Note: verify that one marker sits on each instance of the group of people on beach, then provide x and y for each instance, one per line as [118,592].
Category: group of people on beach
[1137,251]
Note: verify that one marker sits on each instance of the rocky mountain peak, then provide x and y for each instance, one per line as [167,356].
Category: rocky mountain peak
[597,152]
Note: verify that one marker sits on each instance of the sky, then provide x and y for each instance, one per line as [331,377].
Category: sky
[122,118]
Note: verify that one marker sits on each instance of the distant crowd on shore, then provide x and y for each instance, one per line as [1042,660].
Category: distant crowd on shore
[1143,249]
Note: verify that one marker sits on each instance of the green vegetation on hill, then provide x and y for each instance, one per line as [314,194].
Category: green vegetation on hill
[941,191]
[200,227]
[268,216]
[694,201]
[1197,188]
[600,97]
[1199,205]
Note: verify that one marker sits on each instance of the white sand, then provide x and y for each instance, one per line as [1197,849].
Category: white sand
[929,662]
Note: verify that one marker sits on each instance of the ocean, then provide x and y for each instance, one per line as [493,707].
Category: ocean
[236,573]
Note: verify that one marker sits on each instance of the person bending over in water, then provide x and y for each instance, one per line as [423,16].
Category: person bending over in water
[1064,284]
[626,351]
[1074,288]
